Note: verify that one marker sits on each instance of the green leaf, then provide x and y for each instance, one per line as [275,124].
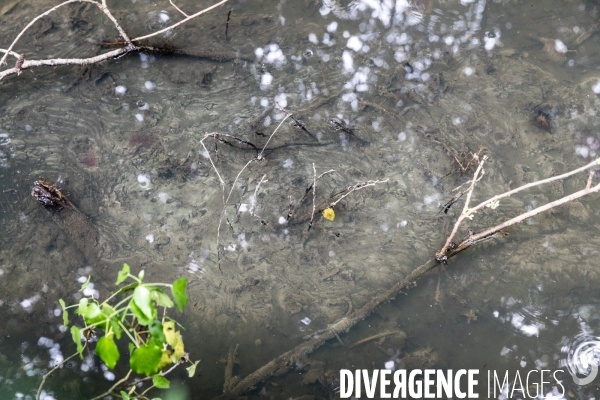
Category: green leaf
[156,330]
[127,288]
[114,324]
[141,275]
[161,382]
[142,319]
[65,313]
[125,396]
[161,298]
[76,335]
[192,369]
[107,350]
[179,293]
[145,359]
[85,284]
[141,297]
[131,347]
[89,311]
[123,274]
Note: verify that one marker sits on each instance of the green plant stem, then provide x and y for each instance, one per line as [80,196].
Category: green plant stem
[109,391]
[125,300]
[128,334]
[146,391]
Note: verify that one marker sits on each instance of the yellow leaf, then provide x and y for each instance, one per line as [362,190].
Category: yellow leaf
[165,360]
[169,331]
[329,214]
[174,340]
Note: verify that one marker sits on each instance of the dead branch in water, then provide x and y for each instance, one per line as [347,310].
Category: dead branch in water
[450,248]
[280,365]
[129,45]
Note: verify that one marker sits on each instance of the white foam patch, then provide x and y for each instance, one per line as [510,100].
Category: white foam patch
[144,181]
[150,238]
[265,80]
[120,90]
[560,47]
[354,43]
[348,61]
[149,85]
[281,99]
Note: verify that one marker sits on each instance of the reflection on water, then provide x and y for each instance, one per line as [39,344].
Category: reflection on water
[400,90]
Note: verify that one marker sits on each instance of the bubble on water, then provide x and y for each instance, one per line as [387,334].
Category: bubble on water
[164,17]
[120,90]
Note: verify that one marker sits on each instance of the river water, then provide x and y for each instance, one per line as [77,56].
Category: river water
[401,93]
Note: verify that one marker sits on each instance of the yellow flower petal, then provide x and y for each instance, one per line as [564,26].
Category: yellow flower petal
[329,214]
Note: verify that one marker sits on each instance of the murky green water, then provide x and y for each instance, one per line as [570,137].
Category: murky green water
[419,84]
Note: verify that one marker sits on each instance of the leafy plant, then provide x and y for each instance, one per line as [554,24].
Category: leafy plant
[156,347]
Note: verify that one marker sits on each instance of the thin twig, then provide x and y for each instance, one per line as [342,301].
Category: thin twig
[177,8]
[137,39]
[377,336]
[469,212]
[45,377]
[306,192]
[477,237]
[354,188]
[113,387]
[592,164]
[466,213]
[253,203]
[33,21]
[314,192]
[259,157]
[130,47]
